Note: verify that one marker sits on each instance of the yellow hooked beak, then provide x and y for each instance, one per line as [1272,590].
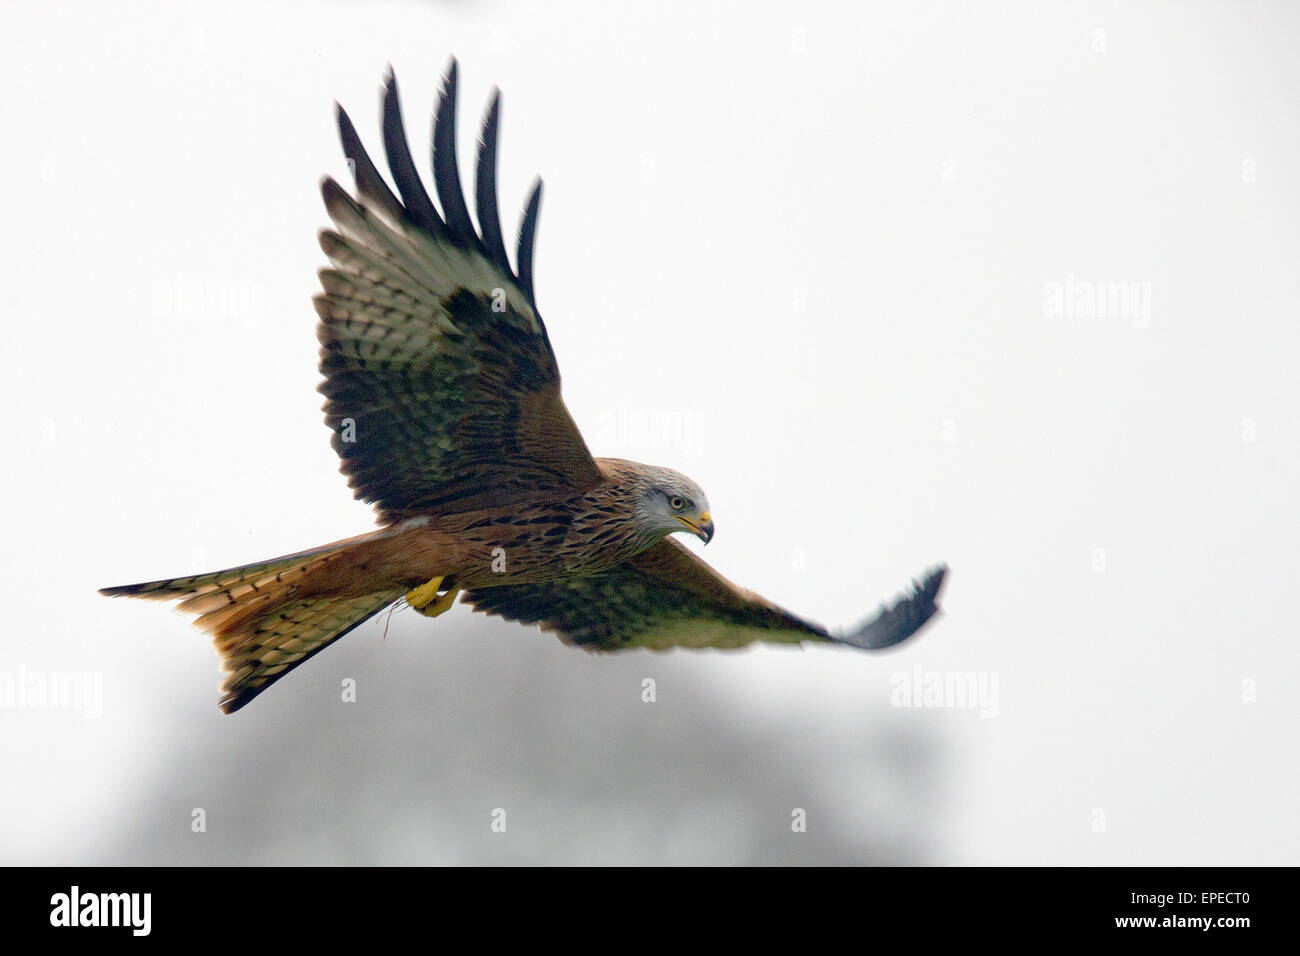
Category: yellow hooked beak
[703,529]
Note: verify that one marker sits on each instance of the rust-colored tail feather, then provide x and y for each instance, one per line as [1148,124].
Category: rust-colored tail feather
[258,652]
[266,618]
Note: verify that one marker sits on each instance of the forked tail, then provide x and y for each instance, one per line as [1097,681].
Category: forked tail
[266,618]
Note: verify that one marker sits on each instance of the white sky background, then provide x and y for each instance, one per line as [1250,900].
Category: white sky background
[816,236]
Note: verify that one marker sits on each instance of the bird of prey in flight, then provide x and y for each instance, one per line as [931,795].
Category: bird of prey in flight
[443,396]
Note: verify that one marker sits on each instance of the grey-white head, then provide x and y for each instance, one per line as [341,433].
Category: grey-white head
[667,502]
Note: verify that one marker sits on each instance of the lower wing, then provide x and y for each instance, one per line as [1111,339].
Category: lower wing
[667,597]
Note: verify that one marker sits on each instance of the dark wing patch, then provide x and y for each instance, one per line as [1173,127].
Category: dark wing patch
[442,389]
[668,597]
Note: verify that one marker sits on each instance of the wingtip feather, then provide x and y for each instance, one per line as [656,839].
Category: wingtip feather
[446,171]
[485,194]
[908,614]
[415,198]
[528,240]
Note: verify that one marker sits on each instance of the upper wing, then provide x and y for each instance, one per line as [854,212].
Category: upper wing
[442,388]
[666,596]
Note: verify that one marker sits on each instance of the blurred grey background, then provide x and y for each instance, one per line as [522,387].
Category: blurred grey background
[1011,286]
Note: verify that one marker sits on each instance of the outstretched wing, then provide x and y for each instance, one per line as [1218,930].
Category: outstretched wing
[667,597]
[442,389]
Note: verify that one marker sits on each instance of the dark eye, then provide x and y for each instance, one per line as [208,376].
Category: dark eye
[677,503]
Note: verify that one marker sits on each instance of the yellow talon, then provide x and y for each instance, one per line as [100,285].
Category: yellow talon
[428,602]
[442,605]
[421,596]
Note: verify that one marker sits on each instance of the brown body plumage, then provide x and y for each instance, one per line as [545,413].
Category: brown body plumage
[552,535]
[443,396]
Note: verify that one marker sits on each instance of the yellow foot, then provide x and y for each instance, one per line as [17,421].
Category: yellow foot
[441,605]
[421,596]
[428,602]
